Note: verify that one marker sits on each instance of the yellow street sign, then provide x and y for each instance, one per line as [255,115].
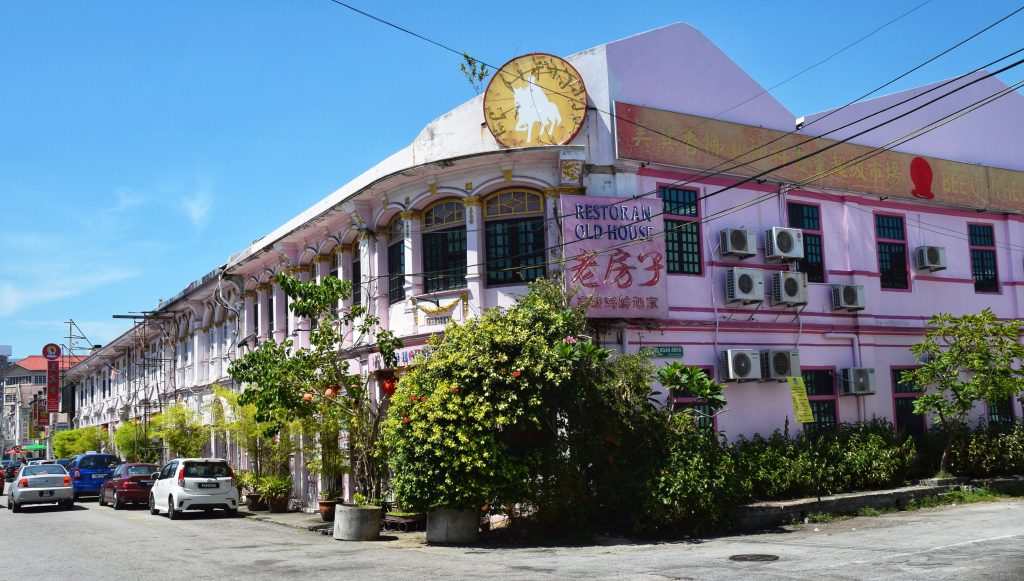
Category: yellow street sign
[801,406]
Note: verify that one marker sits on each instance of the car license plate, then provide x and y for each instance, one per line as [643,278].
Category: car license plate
[45,493]
[146,482]
[208,485]
[99,475]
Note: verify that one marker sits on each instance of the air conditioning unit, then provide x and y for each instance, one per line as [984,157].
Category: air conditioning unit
[744,285]
[737,242]
[784,243]
[858,381]
[778,364]
[789,288]
[847,296]
[741,365]
[931,258]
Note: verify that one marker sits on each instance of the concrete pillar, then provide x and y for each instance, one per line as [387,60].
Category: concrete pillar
[413,221]
[263,308]
[278,310]
[552,235]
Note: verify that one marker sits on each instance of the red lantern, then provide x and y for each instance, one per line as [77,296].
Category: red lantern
[388,386]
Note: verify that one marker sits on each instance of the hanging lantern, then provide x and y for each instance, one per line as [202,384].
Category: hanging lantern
[388,386]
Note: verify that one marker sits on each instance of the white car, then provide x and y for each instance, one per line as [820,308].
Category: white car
[193,484]
[41,484]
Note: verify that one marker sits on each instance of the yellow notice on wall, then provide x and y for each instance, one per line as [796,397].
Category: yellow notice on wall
[801,406]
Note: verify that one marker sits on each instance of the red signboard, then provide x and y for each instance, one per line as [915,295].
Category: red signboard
[52,386]
[51,351]
[615,255]
[42,416]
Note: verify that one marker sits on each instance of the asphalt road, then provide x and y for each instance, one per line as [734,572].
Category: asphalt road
[981,541]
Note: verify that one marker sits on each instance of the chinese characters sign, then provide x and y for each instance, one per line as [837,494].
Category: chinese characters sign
[703,143]
[53,386]
[615,255]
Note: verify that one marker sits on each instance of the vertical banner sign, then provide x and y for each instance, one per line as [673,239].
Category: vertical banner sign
[43,416]
[615,254]
[52,386]
[801,406]
[51,351]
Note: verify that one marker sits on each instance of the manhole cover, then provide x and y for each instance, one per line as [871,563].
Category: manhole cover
[755,557]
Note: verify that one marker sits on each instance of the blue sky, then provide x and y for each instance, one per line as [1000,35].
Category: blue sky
[142,143]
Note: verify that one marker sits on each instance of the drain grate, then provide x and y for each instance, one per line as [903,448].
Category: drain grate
[756,557]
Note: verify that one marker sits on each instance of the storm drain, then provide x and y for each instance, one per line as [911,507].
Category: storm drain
[755,558]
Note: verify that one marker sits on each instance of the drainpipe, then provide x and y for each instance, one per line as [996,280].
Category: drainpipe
[855,341]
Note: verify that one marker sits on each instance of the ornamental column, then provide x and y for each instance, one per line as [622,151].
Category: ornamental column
[278,310]
[343,262]
[475,257]
[413,246]
[263,310]
[552,235]
[249,316]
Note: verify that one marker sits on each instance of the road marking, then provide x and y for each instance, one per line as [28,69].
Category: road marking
[923,551]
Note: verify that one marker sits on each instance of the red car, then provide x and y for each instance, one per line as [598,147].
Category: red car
[129,483]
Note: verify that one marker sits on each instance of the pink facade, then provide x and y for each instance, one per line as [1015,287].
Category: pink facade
[455,177]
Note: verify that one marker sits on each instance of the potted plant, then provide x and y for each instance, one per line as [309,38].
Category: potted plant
[328,500]
[359,521]
[275,490]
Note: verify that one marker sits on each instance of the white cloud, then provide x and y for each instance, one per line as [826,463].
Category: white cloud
[197,207]
[54,284]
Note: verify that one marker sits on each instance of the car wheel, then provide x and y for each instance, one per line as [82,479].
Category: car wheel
[117,504]
[171,513]
[152,505]
[231,512]
[68,505]
[100,500]
[14,506]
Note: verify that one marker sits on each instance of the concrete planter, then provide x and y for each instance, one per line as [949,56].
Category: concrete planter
[450,526]
[356,523]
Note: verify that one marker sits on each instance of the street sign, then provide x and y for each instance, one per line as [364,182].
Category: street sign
[664,351]
[61,426]
[801,406]
[51,351]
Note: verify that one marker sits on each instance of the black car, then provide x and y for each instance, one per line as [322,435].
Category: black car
[65,462]
[10,469]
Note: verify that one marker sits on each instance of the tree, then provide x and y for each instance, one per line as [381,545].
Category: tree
[133,443]
[68,443]
[966,360]
[475,72]
[285,383]
[180,426]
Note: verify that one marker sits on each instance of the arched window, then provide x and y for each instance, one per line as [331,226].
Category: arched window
[444,246]
[396,261]
[514,228]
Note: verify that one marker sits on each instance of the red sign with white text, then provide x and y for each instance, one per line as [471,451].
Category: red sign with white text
[52,386]
[615,254]
[42,416]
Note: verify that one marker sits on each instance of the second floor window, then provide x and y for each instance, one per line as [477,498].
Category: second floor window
[904,394]
[444,246]
[682,230]
[514,232]
[982,242]
[357,282]
[808,218]
[892,251]
[396,261]
[821,394]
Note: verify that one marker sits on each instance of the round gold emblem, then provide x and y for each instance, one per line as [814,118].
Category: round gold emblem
[535,99]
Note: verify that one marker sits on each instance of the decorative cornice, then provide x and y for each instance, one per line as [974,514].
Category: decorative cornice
[567,190]
[262,287]
[411,215]
[471,201]
[342,248]
[249,294]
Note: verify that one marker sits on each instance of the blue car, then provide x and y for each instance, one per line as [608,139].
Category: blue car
[89,471]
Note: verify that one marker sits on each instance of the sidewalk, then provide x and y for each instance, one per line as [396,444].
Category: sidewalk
[304,521]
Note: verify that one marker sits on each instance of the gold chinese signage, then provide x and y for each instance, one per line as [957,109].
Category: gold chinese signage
[701,143]
[536,99]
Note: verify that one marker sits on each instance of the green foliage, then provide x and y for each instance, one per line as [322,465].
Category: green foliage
[990,450]
[472,424]
[692,381]
[251,434]
[313,386]
[966,360]
[69,443]
[180,426]
[246,479]
[474,71]
[133,443]
[274,486]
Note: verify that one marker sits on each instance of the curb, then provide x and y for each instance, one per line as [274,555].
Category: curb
[316,528]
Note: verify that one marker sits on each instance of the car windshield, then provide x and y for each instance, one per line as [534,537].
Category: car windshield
[43,469]
[206,469]
[141,470]
[96,462]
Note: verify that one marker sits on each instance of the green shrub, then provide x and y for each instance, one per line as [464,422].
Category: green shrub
[274,486]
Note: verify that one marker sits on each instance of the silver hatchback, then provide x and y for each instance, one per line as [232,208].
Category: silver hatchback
[41,484]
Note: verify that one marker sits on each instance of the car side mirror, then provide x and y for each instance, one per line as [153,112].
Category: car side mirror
[156,476]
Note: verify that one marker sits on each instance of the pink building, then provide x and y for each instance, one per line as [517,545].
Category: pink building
[828,264]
